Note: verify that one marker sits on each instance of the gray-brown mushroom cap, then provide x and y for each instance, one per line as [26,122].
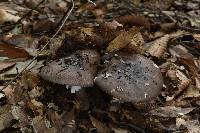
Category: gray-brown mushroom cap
[132,79]
[79,69]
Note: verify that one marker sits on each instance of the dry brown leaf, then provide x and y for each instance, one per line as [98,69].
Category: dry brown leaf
[197,37]
[118,130]
[179,122]
[65,123]
[172,74]
[19,66]
[6,64]
[14,94]
[188,60]
[193,126]
[159,46]
[171,111]
[42,125]
[122,40]
[197,62]
[136,43]
[9,92]
[5,117]
[183,85]
[19,114]
[7,17]
[23,41]
[12,51]
[180,52]
[30,80]
[192,91]
[164,5]
[197,80]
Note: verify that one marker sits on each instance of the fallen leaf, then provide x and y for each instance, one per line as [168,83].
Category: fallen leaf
[42,125]
[183,85]
[197,37]
[117,130]
[13,52]
[122,40]
[9,92]
[164,5]
[193,126]
[23,41]
[159,46]
[136,44]
[5,65]
[194,21]
[192,91]
[65,122]
[185,58]
[5,16]
[9,74]
[197,80]
[172,74]
[180,122]
[171,111]
[5,117]
[19,114]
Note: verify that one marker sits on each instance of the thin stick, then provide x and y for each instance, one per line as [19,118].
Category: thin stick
[66,16]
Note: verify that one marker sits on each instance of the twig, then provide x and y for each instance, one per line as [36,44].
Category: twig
[66,16]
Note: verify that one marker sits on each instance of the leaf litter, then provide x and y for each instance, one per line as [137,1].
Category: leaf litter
[125,41]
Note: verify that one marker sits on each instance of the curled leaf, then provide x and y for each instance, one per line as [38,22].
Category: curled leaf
[159,46]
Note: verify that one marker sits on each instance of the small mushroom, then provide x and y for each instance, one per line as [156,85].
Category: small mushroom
[78,69]
[131,78]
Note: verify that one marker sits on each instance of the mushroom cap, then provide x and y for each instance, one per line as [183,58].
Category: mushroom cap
[78,69]
[131,78]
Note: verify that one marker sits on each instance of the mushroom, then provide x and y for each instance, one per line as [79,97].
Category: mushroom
[131,78]
[78,69]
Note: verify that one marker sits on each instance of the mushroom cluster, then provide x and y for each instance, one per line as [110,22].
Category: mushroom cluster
[132,78]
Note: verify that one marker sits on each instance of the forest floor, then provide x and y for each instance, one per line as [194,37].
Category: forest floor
[53,54]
